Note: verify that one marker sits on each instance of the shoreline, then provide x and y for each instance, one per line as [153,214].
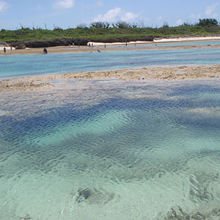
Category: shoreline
[160,40]
[185,39]
[82,49]
[119,46]
[165,72]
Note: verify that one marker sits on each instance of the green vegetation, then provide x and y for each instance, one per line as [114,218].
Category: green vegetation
[208,22]
[104,31]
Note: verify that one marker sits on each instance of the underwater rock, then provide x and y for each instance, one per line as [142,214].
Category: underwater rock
[83,195]
[179,214]
[198,216]
[199,185]
[93,196]
[27,217]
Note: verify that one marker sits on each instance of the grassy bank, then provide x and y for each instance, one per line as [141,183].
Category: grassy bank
[24,34]
[104,32]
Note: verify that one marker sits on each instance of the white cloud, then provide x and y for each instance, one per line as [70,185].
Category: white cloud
[3,6]
[210,10]
[179,22]
[109,16]
[195,16]
[64,4]
[129,16]
[116,14]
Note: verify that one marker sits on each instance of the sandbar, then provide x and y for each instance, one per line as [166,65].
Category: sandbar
[178,72]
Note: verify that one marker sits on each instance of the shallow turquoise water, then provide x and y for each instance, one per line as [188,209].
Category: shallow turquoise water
[111,150]
[185,44]
[20,65]
[196,43]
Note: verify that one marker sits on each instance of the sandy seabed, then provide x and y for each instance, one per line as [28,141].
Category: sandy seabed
[161,197]
[174,181]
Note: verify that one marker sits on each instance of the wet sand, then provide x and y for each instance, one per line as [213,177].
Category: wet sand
[179,72]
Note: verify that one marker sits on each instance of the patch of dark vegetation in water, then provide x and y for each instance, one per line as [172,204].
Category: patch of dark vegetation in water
[26,217]
[179,214]
[93,196]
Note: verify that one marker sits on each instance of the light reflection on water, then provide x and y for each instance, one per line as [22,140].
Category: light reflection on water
[118,150]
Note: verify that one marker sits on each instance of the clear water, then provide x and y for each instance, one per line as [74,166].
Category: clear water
[169,44]
[201,43]
[111,150]
[20,65]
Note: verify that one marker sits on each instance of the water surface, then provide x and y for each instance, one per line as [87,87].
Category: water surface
[111,150]
[20,65]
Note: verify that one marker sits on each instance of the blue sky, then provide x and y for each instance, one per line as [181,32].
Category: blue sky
[69,13]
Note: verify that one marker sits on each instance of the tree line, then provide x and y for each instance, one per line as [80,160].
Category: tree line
[202,22]
[104,31]
[206,22]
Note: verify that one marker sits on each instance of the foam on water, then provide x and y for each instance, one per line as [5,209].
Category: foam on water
[122,157]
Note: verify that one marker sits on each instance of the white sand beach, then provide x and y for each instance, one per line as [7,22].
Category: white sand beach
[156,40]
[101,44]
[182,39]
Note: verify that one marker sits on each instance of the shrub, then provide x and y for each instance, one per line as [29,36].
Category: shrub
[208,22]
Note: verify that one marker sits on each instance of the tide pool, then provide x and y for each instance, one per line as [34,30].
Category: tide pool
[116,150]
[22,65]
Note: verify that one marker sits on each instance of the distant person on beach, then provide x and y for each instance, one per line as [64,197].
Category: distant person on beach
[45,51]
[4,49]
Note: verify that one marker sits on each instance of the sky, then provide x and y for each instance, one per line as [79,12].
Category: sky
[70,13]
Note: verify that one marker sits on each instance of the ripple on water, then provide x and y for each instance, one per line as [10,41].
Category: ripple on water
[120,159]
